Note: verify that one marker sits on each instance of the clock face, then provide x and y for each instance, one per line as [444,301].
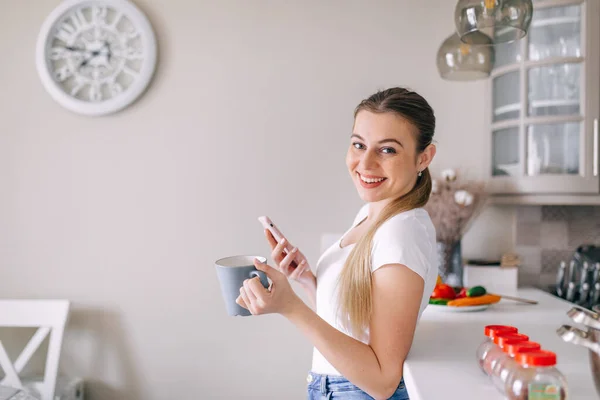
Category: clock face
[96,56]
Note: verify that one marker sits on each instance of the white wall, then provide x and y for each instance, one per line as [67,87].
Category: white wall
[249,114]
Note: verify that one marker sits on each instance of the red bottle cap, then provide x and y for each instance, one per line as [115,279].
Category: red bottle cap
[502,339]
[493,330]
[520,347]
[539,358]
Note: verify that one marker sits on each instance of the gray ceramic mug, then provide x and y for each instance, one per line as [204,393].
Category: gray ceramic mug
[232,272]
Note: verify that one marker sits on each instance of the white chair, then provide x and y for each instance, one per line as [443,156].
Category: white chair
[50,317]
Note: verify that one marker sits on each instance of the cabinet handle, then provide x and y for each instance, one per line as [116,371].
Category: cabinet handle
[595,147]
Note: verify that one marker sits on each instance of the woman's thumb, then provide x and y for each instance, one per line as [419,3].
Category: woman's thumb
[267,269]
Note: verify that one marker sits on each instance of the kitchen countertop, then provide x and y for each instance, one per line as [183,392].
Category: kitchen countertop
[441,363]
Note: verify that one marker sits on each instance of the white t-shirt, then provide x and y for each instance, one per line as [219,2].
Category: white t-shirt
[407,238]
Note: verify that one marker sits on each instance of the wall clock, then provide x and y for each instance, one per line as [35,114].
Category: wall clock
[96,57]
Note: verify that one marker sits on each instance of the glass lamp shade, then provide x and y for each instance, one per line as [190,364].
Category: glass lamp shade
[458,61]
[503,20]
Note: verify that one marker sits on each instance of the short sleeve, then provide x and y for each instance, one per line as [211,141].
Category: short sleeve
[403,239]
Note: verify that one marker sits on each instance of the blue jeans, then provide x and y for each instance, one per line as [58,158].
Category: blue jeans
[325,387]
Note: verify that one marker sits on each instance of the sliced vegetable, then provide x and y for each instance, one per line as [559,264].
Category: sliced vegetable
[438,280]
[443,291]
[462,293]
[475,301]
[438,301]
[476,291]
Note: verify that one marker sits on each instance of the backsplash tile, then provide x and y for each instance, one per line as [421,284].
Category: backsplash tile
[582,212]
[527,214]
[551,259]
[584,230]
[547,235]
[528,234]
[556,213]
[531,264]
[554,235]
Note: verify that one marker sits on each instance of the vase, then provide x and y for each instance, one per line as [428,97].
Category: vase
[450,266]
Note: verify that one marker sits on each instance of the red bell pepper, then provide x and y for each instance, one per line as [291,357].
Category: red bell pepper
[443,291]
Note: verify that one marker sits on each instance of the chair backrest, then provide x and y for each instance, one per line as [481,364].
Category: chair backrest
[50,317]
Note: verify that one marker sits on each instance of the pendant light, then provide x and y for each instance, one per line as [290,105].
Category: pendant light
[458,61]
[503,20]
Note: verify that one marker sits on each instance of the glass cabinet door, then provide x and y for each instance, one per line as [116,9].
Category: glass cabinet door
[507,53]
[555,32]
[545,101]
[554,90]
[553,149]
[506,102]
[505,152]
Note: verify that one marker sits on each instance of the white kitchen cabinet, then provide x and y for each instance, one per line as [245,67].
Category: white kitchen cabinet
[543,107]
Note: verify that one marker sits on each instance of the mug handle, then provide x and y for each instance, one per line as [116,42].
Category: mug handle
[262,276]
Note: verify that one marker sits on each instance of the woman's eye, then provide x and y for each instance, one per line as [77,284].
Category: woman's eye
[357,145]
[388,150]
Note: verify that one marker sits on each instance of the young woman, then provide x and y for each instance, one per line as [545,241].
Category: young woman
[372,285]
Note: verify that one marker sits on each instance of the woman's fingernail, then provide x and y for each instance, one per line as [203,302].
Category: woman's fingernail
[282,241]
[295,249]
[302,262]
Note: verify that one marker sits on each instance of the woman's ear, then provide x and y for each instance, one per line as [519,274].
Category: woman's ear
[426,157]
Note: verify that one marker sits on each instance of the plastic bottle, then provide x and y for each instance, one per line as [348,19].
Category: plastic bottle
[506,364]
[490,331]
[496,352]
[537,378]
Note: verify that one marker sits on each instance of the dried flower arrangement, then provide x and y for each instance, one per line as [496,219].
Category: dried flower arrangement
[452,207]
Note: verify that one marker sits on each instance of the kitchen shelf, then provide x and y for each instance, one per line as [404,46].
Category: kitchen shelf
[553,103]
[535,104]
[555,21]
[536,120]
[507,108]
[528,64]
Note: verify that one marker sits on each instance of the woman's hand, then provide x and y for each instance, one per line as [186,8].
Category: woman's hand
[293,265]
[280,298]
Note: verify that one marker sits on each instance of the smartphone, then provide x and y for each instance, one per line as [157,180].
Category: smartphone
[268,224]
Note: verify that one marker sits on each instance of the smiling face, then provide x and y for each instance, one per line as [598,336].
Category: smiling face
[382,158]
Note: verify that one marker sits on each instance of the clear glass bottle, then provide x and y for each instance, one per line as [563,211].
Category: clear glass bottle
[537,378]
[490,331]
[496,352]
[506,363]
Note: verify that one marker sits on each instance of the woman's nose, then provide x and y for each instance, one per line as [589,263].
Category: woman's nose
[368,160]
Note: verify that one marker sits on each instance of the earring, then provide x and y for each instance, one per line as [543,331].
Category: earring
[420,173]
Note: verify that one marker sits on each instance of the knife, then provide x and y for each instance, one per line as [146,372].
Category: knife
[584,274]
[595,297]
[570,292]
[572,271]
[583,294]
[560,279]
[596,273]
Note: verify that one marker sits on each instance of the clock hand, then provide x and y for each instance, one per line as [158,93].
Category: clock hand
[93,54]
[87,60]
[72,48]
[109,54]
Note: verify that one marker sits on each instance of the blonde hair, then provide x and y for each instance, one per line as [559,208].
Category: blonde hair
[355,292]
